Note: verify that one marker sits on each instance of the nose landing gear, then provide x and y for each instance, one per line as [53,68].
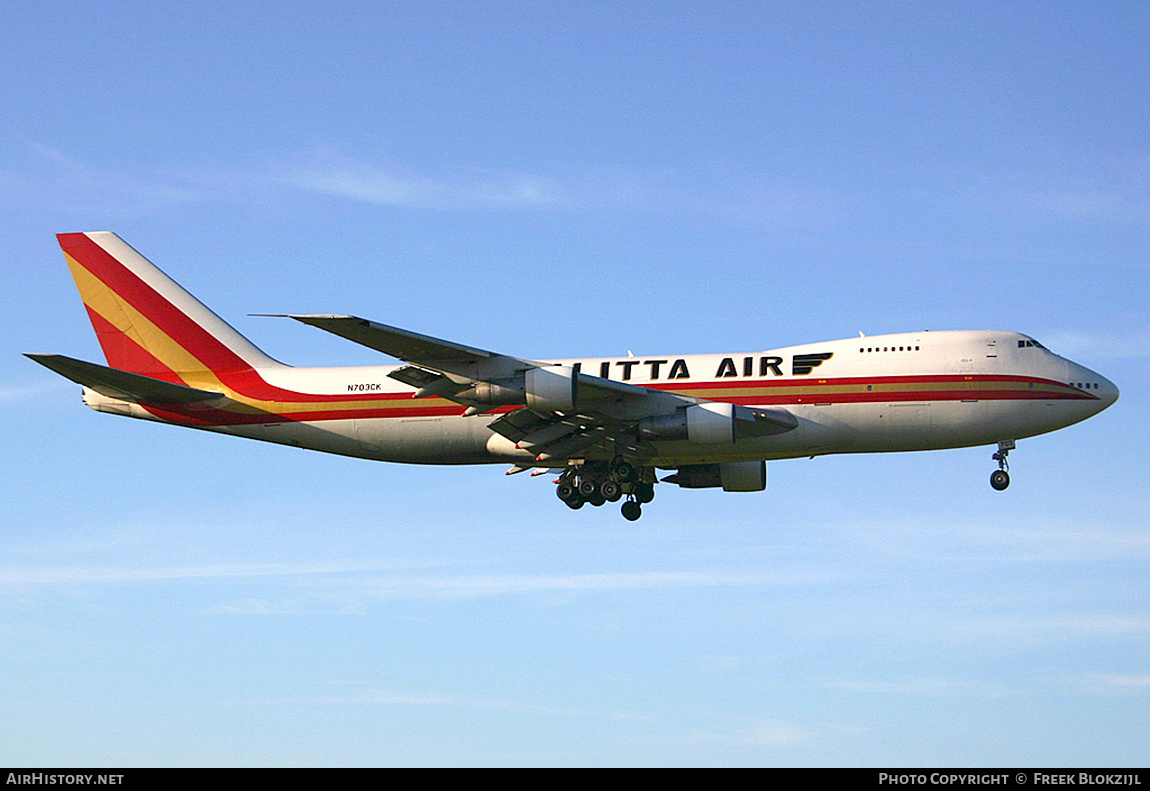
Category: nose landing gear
[1000,478]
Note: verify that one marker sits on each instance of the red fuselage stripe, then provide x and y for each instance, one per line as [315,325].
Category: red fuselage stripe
[813,393]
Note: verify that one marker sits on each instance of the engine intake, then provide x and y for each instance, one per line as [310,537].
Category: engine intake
[552,389]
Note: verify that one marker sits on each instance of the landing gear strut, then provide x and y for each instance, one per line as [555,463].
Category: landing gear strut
[1000,478]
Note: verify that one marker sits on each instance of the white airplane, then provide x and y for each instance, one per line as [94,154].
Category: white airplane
[606,425]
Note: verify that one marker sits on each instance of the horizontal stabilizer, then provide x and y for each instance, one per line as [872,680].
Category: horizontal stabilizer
[123,385]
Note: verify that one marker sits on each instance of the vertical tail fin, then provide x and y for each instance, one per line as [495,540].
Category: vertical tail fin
[145,322]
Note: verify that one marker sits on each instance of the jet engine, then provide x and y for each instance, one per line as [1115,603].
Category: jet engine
[555,388]
[550,389]
[733,476]
[706,424]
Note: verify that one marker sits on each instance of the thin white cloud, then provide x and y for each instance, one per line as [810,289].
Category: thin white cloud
[910,541]
[1098,346]
[946,687]
[1014,623]
[1089,200]
[763,733]
[718,195]
[372,184]
[774,734]
[478,586]
[926,686]
[1115,190]
[48,179]
[21,395]
[97,575]
[357,693]
[347,587]
[1114,683]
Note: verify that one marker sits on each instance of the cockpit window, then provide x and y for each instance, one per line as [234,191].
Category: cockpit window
[1028,342]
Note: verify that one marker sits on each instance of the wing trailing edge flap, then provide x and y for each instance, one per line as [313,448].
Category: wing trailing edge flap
[427,383]
[519,424]
[548,437]
[123,385]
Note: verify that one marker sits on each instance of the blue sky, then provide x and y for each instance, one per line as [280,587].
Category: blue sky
[567,179]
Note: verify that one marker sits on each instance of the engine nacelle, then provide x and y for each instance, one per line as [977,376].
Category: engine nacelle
[706,424]
[500,393]
[554,388]
[551,389]
[733,476]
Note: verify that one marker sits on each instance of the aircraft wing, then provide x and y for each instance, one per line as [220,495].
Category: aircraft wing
[566,411]
[123,385]
[423,350]
[426,352]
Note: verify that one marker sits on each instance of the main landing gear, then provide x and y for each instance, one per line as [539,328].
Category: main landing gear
[1000,478]
[608,483]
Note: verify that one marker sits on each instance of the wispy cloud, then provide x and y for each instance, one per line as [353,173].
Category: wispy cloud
[42,176]
[1113,683]
[49,178]
[762,733]
[19,395]
[373,184]
[1117,190]
[476,586]
[727,197]
[928,686]
[98,575]
[278,589]
[356,693]
[774,734]
[1082,199]
[379,581]
[1098,346]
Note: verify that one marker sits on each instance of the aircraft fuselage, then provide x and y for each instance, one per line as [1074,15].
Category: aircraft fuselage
[902,392]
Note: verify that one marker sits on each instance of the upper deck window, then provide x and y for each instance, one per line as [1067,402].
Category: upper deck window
[865,349]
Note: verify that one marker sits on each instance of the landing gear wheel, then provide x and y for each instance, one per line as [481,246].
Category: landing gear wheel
[644,492]
[588,488]
[632,510]
[567,492]
[610,491]
[575,503]
[999,479]
[623,471]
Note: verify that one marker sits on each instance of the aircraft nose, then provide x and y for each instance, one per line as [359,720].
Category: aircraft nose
[1107,390]
[1096,384]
